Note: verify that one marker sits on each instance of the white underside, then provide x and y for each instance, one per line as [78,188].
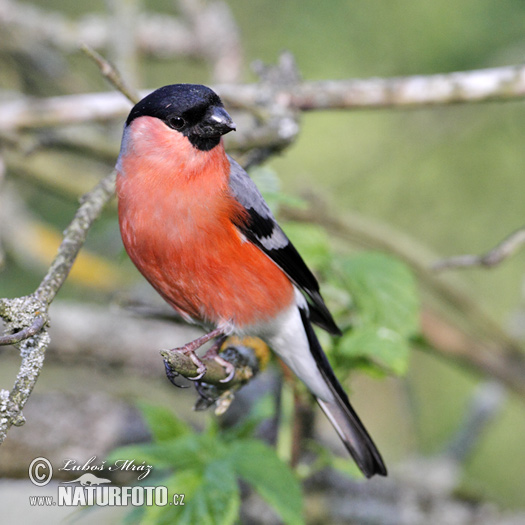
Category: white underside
[287,338]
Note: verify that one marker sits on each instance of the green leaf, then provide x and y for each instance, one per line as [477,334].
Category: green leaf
[187,483]
[216,500]
[211,496]
[384,291]
[259,465]
[387,307]
[379,344]
[163,423]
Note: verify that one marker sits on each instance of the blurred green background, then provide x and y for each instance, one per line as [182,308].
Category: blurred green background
[451,177]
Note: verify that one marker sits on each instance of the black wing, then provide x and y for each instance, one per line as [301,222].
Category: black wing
[262,229]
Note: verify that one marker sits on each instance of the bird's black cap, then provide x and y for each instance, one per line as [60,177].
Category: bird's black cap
[194,110]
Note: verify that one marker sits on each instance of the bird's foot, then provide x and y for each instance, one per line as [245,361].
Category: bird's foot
[213,353]
[195,359]
[189,350]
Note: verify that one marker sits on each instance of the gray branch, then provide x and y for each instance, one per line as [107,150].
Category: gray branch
[28,316]
[496,84]
[497,255]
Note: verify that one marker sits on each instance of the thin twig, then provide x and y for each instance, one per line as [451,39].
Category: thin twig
[109,72]
[498,254]
[25,333]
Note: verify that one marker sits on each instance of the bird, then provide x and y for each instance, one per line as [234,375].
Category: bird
[196,226]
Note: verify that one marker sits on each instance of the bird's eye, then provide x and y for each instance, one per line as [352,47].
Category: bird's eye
[176,122]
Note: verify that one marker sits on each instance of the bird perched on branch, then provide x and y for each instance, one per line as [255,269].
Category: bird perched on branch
[198,229]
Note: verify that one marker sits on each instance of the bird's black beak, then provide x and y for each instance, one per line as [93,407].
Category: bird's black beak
[219,120]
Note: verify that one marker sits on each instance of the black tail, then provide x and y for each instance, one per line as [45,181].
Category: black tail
[341,414]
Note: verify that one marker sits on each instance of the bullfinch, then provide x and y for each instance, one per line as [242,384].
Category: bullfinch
[198,229]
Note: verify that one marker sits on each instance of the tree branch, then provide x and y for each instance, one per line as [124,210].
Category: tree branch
[501,83]
[21,314]
[27,316]
[498,254]
[495,84]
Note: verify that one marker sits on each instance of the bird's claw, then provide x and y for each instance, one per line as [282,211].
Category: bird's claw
[212,353]
[228,368]
[171,375]
[201,367]
[199,376]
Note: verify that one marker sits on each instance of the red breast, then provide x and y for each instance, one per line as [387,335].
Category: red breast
[175,214]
